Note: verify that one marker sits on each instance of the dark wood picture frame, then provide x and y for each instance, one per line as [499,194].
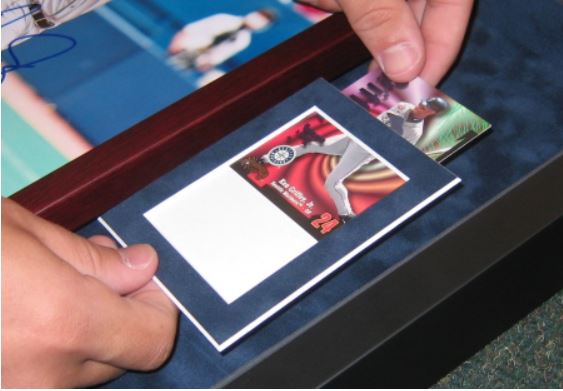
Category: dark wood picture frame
[428,336]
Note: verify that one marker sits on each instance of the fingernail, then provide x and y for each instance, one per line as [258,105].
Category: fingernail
[137,257]
[398,58]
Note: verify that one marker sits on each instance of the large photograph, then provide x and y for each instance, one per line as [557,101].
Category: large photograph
[81,82]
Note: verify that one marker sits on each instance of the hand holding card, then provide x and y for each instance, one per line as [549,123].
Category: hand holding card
[407,38]
[77,312]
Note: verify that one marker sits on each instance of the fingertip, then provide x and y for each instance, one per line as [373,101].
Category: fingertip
[432,76]
[139,257]
[401,62]
[389,30]
[136,266]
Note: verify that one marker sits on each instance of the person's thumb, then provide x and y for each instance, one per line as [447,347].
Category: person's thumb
[124,270]
[391,33]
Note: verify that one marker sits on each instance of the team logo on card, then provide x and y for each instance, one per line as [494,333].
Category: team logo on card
[281,155]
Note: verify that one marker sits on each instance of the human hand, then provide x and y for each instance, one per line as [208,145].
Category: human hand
[77,312]
[407,38]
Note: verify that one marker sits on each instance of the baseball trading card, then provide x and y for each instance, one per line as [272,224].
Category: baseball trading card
[319,173]
[426,117]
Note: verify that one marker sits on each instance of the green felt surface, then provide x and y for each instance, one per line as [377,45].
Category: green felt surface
[528,355]
[26,155]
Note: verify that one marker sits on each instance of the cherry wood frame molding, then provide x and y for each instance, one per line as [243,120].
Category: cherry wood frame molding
[84,188]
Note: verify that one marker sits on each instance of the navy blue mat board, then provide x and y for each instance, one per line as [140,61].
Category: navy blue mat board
[225,323]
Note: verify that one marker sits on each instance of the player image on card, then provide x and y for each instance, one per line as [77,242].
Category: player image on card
[319,174]
[421,114]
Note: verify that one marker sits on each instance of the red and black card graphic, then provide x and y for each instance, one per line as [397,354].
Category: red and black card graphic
[318,173]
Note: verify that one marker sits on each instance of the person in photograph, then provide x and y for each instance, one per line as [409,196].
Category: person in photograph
[204,44]
[407,119]
[352,158]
